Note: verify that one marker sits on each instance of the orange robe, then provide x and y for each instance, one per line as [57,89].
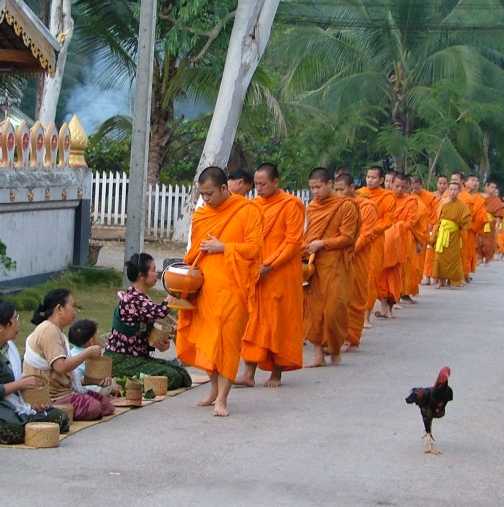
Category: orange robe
[385,203]
[448,263]
[429,253]
[468,242]
[495,209]
[500,237]
[361,273]
[421,234]
[336,221]
[209,337]
[399,253]
[274,334]
[479,218]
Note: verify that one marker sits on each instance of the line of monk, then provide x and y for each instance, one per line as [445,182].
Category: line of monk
[362,246]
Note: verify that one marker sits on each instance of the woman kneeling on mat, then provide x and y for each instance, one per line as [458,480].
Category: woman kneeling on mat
[14,411]
[134,316]
[47,354]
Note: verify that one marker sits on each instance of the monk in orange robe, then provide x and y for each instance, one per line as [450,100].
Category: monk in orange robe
[479,218]
[357,304]
[227,240]
[274,336]
[426,202]
[495,211]
[385,204]
[454,217]
[467,246]
[400,247]
[441,187]
[332,229]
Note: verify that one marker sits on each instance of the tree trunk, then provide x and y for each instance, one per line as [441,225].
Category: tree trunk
[249,38]
[484,168]
[61,27]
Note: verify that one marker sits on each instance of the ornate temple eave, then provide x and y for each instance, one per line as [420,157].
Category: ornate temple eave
[26,45]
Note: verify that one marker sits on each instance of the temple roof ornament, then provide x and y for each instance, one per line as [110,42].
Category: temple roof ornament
[26,45]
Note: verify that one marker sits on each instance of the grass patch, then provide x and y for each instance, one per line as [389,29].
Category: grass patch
[94,290]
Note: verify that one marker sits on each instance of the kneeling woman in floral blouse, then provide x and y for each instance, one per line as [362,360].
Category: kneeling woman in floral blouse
[134,316]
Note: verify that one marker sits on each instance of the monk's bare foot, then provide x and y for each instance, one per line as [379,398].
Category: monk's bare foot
[367,325]
[345,347]
[220,409]
[210,399]
[206,402]
[335,360]
[316,364]
[244,381]
[273,382]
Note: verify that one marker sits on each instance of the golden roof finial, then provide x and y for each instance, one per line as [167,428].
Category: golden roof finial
[78,143]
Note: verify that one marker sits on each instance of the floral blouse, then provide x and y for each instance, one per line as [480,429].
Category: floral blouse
[135,307]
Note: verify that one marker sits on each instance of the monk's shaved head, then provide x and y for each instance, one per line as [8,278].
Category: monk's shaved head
[214,174]
[270,169]
[212,186]
[321,174]
[458,177]
[345,178]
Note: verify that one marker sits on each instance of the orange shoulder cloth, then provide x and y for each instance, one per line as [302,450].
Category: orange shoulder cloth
[320,215]
[272,207]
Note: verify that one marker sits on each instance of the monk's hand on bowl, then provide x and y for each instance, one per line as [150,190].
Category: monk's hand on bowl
[93,352]
[315,246]
[170,300]
[212,245]
[265,270]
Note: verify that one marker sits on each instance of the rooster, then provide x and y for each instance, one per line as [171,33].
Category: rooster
[432,402]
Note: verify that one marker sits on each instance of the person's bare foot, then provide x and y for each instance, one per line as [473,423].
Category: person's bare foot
[319,358]
[220,409]
[345,347]
[210,399]
[367,325]
[273,382]
[335,360]
[244,381]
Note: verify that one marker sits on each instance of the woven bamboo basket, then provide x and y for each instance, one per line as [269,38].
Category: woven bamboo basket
[38,396]
[68,409]
[133,390]
[158,383]
[42,435]
[98,369]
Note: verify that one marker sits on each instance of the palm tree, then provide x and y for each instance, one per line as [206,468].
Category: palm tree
[396,55]
[190,51]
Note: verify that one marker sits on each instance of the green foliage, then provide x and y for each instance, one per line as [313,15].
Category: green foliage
[75,280]
[104,154]
[6,263]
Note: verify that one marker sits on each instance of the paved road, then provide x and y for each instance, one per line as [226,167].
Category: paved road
[334,436]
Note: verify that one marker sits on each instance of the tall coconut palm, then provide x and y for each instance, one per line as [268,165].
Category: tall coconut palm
[393,54]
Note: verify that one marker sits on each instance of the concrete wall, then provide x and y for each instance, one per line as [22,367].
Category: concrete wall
[44,221]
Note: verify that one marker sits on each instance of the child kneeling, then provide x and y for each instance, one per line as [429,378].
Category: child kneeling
[47,353]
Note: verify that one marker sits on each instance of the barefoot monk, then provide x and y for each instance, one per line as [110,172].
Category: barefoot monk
[274,336]
[332,229]
[227,237]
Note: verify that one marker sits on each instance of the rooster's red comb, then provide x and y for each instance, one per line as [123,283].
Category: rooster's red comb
[443,375]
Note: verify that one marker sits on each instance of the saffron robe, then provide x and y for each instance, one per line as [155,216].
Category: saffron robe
[361,279]
[429,253]
[274,334]
[336,221]
[385,204]
[448,263]
[421,234]
[209,337]
[495,209]
[399,249]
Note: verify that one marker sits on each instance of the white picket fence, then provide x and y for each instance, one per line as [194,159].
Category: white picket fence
[164,202]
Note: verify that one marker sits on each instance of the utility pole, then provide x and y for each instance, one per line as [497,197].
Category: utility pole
[135,224]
